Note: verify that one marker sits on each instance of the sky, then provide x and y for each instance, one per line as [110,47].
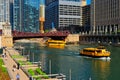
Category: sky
[42,1]
[88,1]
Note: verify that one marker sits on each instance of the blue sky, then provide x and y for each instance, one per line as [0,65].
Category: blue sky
[42,1]
[88,1]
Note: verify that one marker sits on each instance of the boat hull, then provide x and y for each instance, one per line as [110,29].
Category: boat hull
[56,45]
[93,56]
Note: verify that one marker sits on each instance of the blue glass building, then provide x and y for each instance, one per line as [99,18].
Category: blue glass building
[26,15]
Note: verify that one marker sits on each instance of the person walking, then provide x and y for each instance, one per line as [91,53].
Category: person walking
[18,66]
[14,67]
[17,76]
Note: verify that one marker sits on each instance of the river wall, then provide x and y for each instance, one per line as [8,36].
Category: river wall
[100,39]
[72,39]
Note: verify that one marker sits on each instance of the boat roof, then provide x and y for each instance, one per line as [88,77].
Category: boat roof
[56,41]
[91,49]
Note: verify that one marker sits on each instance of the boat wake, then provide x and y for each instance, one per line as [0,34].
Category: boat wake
[102,58]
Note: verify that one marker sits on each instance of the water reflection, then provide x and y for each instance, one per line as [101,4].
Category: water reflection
[101,69]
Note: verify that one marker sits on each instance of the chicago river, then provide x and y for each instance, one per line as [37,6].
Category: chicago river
[68,62]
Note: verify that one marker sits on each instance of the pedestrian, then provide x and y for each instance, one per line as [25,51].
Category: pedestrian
[5,54]
[17,76]
[18,66]
[14,67]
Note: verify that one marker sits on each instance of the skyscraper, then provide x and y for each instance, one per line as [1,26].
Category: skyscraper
[26,15]
[4,11]
[86,17]
[105,16]
[63,13]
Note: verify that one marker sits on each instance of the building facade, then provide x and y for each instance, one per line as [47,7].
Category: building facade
[4,11]
[26,15]
[105,16]
[86,18]
[62,13]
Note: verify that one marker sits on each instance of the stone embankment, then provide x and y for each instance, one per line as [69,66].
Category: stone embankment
[72,39]
[41,41]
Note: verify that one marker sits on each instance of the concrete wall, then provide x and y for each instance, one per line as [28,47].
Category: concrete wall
[71,38]
[7,41]
[6,38]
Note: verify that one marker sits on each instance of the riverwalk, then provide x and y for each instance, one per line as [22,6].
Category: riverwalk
[9,62]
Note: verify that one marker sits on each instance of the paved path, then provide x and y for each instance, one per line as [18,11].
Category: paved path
[9,62]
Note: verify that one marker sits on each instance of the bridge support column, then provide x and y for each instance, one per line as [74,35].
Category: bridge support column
[100,29]
[96,30]
[110,29]
[106,29]
[118,28]
[115,29]
[103,29]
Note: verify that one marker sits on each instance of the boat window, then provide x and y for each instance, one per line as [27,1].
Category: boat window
[56,42]
[98,51]
[89,50]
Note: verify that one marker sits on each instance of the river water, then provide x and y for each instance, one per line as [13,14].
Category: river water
[68,62]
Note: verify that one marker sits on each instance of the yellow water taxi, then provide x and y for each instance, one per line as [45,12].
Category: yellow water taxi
[95,52]
[55,43]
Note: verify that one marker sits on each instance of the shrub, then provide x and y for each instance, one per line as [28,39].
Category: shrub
[31,72]
[24,62]
[39,71]
[17,56]
[2,67]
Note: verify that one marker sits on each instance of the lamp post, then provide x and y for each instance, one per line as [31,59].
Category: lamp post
[50,67]
[70,74]
[33,57]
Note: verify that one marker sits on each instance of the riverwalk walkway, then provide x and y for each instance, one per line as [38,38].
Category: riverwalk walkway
[9,62]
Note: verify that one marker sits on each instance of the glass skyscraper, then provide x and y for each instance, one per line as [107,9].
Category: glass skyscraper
[4,11]
[63,13]
[26,15]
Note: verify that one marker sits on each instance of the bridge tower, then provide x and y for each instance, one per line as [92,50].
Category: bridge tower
[7,39]
[42,16]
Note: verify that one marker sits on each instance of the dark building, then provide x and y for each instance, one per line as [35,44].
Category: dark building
[11,13]
[86,18]
[105,16]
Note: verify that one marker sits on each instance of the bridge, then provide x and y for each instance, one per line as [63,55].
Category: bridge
[63,34]
[53,34]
